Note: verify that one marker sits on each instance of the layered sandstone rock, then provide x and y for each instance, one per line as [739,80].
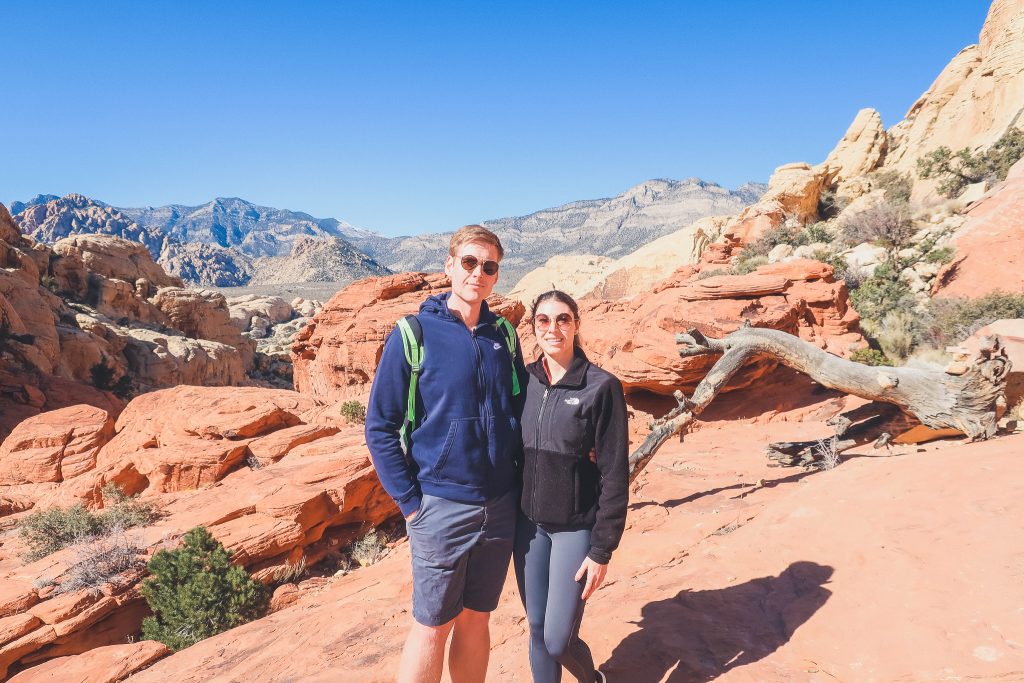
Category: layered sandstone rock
[975,99]
[860,151]
[635,340]
[116,258]
[278,479]
[336,355]
[572,273]
[202,314]
[793,192]
[989,245]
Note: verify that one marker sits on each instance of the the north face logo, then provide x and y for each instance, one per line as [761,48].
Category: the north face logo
[572,401]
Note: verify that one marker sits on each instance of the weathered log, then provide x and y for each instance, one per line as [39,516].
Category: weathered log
[934,398]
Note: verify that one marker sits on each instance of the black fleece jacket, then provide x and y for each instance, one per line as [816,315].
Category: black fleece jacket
[562,488]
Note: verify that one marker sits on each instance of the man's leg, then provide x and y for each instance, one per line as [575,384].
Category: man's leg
[423,654]
[471,647]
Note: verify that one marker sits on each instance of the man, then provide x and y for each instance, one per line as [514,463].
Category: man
[457,485]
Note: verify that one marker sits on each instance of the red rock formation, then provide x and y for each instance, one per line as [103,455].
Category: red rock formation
[336,355]
[101,665]
[990,245]
[279,479]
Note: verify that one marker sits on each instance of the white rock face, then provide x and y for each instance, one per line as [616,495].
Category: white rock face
[865,257]
[779,252]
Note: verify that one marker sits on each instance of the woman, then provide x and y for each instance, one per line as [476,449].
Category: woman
[575,489]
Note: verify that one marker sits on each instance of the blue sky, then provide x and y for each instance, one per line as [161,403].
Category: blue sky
[409,117]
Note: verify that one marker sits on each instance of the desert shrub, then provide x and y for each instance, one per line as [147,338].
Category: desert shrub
[47,531]
[957,170]
[869,357]
[881,294]
[195,592]
[289,573]
[949,321]
[99,559]
[887,224]
[705,274]
[897,334]
[353,411]
[370,548]
[828,449]
[814,233]
[745,266]
[940,255]
[895,185]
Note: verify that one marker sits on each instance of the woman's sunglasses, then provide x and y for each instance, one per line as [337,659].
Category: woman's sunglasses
[563,320]
[469,263]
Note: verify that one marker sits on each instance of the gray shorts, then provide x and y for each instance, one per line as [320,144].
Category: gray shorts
[460,556]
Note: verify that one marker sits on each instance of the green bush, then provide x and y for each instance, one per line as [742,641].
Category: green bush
[957,170]
[881,294]
[353,411]
[940,255]
[705,274]
[950,321]
[744,266]
[897,334]
[47,531]
[869,357]
[895,185]
[195,592]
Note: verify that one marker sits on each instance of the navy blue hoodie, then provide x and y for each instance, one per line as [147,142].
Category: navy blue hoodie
[468,440]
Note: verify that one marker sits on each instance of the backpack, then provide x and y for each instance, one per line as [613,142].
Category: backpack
[412,342]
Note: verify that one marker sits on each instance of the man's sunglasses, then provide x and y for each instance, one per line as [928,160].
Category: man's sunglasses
[563,320]
[469,263]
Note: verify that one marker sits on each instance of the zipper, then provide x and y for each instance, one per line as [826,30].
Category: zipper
[540,425]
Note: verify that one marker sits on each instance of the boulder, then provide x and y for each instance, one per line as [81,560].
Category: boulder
[860,151]
[55,445]
[203,314]
[115,258]
[244,309]
[793,192]
[9,231]
[335,356]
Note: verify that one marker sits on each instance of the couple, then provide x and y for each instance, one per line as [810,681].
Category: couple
[503,457]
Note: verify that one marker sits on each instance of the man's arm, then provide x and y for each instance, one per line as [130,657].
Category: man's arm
[384,419]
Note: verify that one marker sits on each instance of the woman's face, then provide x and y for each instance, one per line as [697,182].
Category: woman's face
[555,327]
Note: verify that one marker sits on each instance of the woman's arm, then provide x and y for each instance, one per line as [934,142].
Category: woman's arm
[611,438]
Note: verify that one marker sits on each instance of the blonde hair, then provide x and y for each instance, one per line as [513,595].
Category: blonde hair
[474,233]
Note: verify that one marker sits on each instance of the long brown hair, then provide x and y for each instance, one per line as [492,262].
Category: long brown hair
[562,298]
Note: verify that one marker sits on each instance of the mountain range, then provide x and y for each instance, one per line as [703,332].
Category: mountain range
[233,242]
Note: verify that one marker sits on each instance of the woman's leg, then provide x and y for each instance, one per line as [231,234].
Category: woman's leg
[531,557]
[564,609]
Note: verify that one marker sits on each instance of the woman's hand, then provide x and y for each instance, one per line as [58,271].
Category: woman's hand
[595,576]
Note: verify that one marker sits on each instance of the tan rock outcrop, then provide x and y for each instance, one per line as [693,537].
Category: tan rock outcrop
[336,355]
[571,273]
[115,258]
[793,192]
[860,151]
[55,445]
[973,102]
[202,314]
[640,271]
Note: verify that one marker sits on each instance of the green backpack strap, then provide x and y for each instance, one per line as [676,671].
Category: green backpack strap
[412,343]
[506,328]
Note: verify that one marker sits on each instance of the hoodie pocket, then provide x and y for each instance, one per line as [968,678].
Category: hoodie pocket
[463,458]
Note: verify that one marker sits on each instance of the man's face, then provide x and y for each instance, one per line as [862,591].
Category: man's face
[472,286]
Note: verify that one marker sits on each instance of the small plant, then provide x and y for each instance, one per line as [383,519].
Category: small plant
[46,531]
[869,357]
[949,321]
[748,265]
[99,559]
[195,592]
[886,224]
[369,549]
[353,411]
[897,334]
[957,170]
[895,185]
[828,449]
[289,573]
[880,294]
[705,274]
[50,283]
[817,233]
[940,255]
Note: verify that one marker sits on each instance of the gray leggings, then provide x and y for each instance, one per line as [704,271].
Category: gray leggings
[546,564]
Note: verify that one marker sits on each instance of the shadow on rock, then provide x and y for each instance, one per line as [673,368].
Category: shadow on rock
[700,635]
